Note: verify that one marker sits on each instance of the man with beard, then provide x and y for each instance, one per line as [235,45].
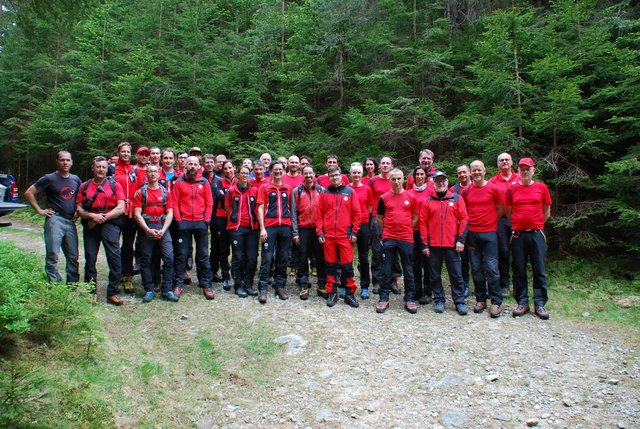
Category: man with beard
[100,204]
[192,211]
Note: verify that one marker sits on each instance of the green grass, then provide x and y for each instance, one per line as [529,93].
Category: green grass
[578,286]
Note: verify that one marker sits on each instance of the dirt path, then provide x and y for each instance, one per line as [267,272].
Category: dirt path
[362,369]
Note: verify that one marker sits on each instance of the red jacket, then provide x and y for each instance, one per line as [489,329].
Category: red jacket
[125,175]
[192,200]
[277,204]
[241,205]
[443,221]
[303,206]
[338,213]
[220,189]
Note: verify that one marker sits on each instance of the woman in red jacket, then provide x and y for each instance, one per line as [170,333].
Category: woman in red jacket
[242,226]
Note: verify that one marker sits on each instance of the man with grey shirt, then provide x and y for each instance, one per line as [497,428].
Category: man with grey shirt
[60,188]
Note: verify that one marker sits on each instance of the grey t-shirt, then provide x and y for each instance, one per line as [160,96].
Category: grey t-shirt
[60,192]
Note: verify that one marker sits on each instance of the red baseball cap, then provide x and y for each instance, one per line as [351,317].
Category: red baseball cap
[142,149]
[527,161]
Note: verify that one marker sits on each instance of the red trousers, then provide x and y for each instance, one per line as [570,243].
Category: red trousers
[334,247]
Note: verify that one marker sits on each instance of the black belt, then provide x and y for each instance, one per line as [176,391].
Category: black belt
[63,216]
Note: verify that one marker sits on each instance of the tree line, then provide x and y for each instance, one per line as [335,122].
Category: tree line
[556,80]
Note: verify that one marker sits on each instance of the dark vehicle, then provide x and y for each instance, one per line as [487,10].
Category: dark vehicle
[8,196]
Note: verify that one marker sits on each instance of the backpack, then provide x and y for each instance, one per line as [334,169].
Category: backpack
[88,202]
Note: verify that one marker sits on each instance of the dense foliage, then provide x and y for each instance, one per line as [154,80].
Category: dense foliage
[556,80]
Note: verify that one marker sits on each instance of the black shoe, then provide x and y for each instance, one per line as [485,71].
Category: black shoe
[216,278]
[251,291]
[520,310]
[375,289]
[541,312]
[424,300]
[262,297]
[351,301]
[332,298]
[241,292]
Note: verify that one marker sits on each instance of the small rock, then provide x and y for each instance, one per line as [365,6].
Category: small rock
[586,314]
[184,317]
[454,419]
[532,422]
[295,343]
[326,373]
[613,381]
[621,425]
[567,402]
[323,415]
[491,377]
[502,417]
[206,422]
[545,416]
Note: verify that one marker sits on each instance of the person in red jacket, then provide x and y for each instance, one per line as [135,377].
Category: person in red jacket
[505,178]
[365,197]
[242,226]
[484,205]
[193,205]
[304,202]
[422,189]
[274,218]
[219,189]
[443,229]
[100,204]
[397,216]
[125,175]
[337,221]
[528,206]
[153,212]
[379,185]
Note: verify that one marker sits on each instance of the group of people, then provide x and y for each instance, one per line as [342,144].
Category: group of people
[201,210]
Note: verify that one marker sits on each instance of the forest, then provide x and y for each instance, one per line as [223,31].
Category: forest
[469,79]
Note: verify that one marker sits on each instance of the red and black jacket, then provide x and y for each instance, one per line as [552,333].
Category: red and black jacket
[338,213]
[277,204]
[443,220]
[241,207]
[303,207]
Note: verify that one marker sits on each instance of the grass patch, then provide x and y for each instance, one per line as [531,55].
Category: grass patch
[51,374]
[578,286]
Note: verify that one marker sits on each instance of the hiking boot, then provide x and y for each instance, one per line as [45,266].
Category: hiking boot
[364,293]
[251,291]
[148,296]
[495,311]
[520,310]
[115,300]
[187,278]
[351,301]
[438,307]
[226,284]
[394,286]
[170,296]
[262,297]
[332,298]
[411,307]
[479,307]
[280,293]
[461,309]
[208,293]
[128,286]
[541,312]
[322,291]
[241,292]
[304,293]
[382,306]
